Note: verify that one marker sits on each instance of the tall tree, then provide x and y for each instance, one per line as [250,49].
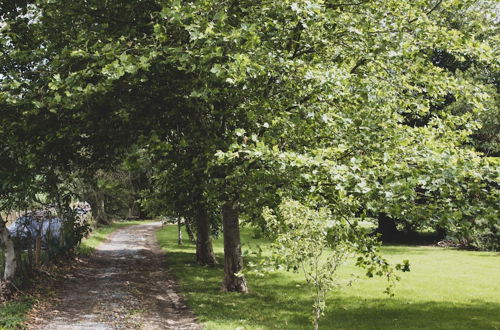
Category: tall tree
[300,99]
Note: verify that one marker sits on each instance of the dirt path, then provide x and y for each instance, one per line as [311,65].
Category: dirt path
[124,285]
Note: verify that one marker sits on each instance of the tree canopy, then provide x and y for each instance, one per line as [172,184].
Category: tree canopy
[346,108]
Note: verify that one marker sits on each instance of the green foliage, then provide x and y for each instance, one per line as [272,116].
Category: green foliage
[316,244]
[311,243]
[12,314]
[313,86]
[339,106]
[109,194]
[74,231]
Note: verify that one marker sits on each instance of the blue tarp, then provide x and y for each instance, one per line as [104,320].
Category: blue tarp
[30,228]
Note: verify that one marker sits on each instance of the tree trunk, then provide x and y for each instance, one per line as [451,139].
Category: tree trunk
[38,250]
[98,209]
[189,229]
[233,260]
[204,251]
[317,315]
[30,258]
[441,232]
[134,211]
[387,228]
[179,231]
[10,252]
[95,196]
[102,211]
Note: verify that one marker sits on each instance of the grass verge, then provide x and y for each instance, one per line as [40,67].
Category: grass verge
[446,289]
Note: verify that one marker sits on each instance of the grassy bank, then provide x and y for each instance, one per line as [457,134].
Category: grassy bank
[446,289]
[12,313]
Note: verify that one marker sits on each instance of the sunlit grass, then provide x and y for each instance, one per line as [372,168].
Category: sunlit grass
[446,289]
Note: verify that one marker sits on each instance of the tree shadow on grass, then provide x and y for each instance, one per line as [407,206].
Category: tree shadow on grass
[489,254]
[280,301]
[397,249]
[391,313]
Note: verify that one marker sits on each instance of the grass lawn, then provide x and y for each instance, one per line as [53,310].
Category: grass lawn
[446,289]
[12,313]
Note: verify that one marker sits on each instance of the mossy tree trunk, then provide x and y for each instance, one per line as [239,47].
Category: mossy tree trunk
[204,250]
[233,260]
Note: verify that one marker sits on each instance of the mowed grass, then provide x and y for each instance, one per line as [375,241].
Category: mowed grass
[12,313]
[446,289]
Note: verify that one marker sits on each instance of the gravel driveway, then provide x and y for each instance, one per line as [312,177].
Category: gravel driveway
[124,285]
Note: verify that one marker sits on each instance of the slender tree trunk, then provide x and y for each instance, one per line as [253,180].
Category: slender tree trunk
[233,260]
[38,250]
[318,301]
[316,321]
[98,209]
[102,211]
[131,213]
[61,237]
[179,231]
[189,229]
[30,257]
[134,211]
[10,252]
[204,251]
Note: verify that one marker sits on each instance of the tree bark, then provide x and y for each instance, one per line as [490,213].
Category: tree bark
[38,250]
[204,251]
[189,229]
[233,260]
[98,209]
[10,252]
[30,257]
[179,231]
[441,232]
[387,228]
[102,211]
